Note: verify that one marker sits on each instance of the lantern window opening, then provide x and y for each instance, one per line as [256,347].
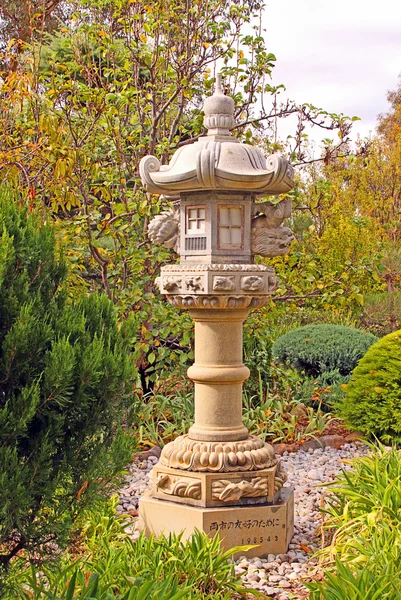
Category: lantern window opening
[230,227]
[195,219]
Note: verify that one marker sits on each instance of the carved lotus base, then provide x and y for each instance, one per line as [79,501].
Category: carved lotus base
[217,301]
[251,454]
[218,489]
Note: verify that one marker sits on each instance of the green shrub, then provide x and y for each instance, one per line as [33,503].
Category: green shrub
[373,400]
[65,385]
[323,392]
[317,349]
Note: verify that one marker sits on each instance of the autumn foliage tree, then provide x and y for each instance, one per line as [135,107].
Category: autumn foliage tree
[116,81]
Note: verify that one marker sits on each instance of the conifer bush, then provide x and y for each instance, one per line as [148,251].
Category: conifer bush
[318,349]
[65,384]
[373,398]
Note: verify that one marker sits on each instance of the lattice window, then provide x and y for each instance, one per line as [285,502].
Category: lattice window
[196,219]
[230,227]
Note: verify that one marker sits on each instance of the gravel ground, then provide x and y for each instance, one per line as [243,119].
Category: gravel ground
[279,576]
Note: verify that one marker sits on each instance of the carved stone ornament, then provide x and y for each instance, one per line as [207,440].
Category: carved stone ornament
[217,286]
[280,478]
[216,267]
[269,237]
[251,454]
[164,229]
[183,487]
[252,283]
[172,284]
[270,242]
[223,283]
[218,161]
[230,491]
[194,283]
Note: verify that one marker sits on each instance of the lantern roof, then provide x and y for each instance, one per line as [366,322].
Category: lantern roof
[218,161]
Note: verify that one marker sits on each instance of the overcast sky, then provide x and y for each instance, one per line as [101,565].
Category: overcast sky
[340,55]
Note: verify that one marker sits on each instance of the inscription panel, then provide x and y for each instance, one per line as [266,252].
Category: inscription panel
[270,528]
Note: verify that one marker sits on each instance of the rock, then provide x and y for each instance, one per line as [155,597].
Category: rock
[333,441]
[284,584]
[316,444]
[280,449]
[257,563]
[313,474]
[145,454]
[270,591]
[353,437]
[300,411]
[283,557]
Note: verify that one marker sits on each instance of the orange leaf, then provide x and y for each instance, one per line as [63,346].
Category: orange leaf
[83,488]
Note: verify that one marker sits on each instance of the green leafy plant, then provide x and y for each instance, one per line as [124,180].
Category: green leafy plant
[372,582]
[373,399]
[116,567]
[363,531]
[65,389]
[74,584]
[317,349]
[275,419]
[325,391]
[363,499]
[164,416]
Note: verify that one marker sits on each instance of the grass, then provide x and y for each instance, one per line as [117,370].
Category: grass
[111,566]
[362,526]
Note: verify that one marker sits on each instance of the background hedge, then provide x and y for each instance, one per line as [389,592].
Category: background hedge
[318,349]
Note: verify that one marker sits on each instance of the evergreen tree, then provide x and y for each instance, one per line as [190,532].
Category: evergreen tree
[65,387]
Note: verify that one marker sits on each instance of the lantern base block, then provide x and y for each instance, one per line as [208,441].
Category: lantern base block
[270,526]
[209,490]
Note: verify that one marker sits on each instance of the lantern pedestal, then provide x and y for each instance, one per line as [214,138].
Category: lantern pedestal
[269,527]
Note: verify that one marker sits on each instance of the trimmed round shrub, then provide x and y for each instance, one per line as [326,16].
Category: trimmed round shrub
[318,349]
[373,400]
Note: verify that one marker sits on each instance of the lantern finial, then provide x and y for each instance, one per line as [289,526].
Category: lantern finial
[219,111]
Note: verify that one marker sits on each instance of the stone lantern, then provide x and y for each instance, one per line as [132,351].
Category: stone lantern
[218,478]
